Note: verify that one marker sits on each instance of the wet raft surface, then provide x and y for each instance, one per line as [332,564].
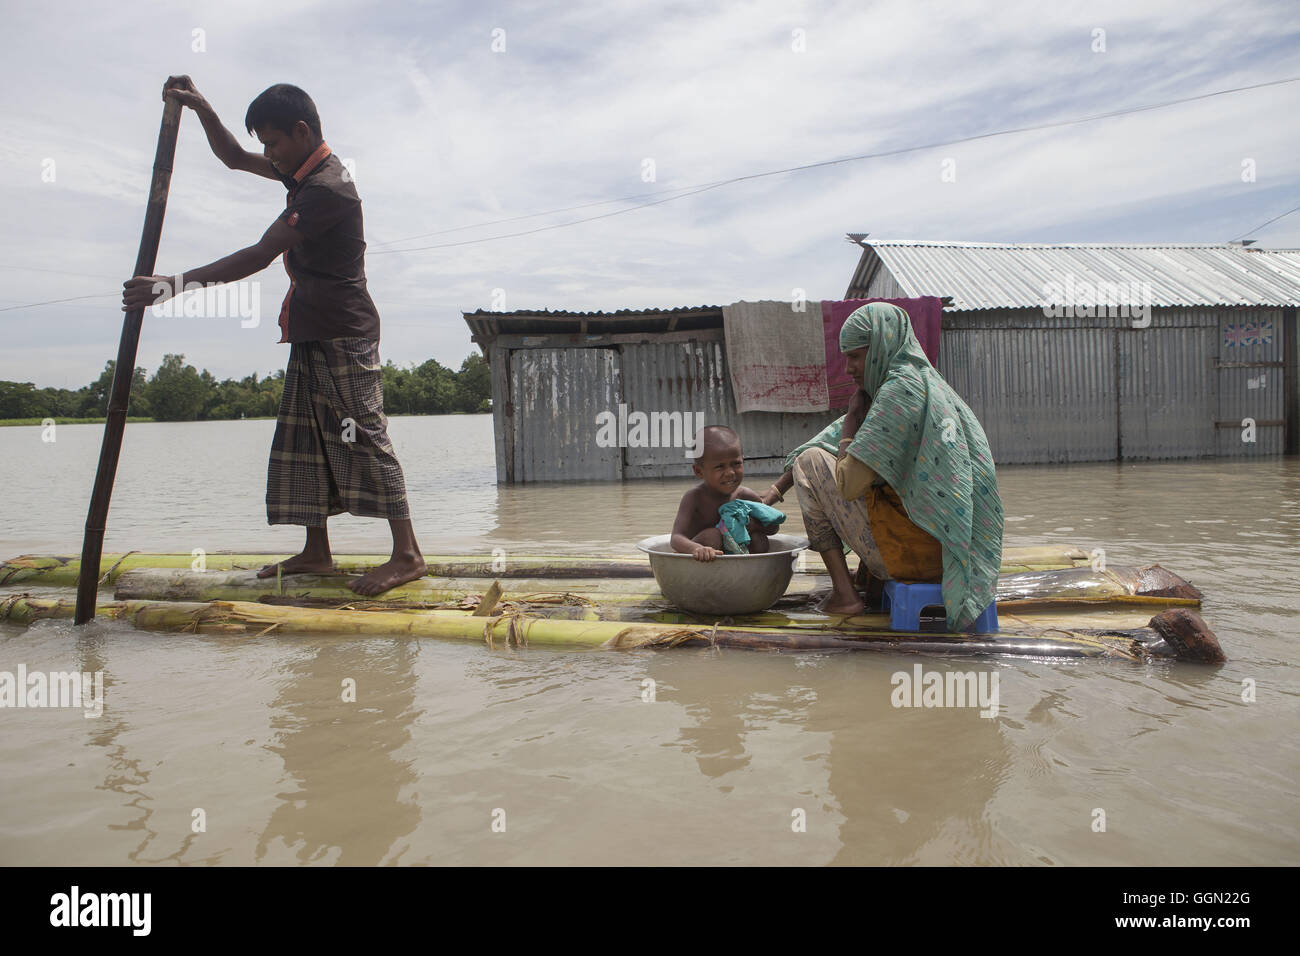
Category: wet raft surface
[1050,604]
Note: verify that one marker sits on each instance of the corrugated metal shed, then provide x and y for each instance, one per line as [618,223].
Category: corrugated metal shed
[1066,390]
[987,275]
[1213,372]
[1206,376]
[653,362]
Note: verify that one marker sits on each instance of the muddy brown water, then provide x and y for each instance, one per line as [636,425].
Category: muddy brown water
[735,750]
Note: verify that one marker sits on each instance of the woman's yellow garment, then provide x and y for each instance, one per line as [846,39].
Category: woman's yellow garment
[909,553]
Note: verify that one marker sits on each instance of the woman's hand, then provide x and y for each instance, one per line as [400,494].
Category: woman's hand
[776,492]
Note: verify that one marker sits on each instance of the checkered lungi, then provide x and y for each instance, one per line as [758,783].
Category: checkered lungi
[315,470]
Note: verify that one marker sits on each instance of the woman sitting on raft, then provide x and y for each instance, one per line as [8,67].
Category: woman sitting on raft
[913,490]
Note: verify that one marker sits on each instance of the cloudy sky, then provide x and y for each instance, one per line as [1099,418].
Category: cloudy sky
[450,136]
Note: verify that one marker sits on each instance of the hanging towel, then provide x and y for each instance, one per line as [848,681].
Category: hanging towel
[776,356]
[734,523]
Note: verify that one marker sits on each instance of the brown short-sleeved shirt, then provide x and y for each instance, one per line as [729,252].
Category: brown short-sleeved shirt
[327,297]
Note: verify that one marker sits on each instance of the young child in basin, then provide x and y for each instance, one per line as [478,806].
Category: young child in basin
[701,528]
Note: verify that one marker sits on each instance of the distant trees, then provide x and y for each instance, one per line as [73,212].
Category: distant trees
[250,397]
[434,389]
[97,392]
[178,392]
[25,400]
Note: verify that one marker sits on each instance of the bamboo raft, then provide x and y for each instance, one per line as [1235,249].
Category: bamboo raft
[1051,603]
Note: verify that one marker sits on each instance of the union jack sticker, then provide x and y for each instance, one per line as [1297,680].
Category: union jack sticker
[1247,334]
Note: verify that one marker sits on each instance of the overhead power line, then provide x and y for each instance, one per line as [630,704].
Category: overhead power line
[693,190]
[683,192]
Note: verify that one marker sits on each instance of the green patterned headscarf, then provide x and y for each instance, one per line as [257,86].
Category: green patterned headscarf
[920,437]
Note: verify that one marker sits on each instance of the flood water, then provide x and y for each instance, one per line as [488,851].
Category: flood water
[445,738]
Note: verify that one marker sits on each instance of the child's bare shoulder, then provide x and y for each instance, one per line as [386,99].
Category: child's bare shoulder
[694,495]
[699,509]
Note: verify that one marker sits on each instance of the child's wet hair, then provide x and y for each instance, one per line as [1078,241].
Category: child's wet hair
[281,107]
[712,437]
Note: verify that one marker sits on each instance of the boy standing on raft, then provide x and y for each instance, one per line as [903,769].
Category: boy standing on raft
[331,451]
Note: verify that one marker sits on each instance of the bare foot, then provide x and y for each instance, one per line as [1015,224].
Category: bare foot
[841,604]
[299,564]
[398,569]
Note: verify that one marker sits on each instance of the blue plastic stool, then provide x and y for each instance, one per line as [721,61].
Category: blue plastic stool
[905,602]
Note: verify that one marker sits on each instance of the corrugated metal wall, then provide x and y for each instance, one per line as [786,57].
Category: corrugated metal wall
[1250,382]
[694,377]
[679,378]
[1079,389]
[883,285]
[1046,390]
[1167,385]
[556,395]
[1043,393]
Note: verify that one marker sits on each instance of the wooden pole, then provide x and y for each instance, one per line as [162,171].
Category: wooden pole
[120,397]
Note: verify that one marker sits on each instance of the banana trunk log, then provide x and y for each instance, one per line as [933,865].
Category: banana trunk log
[1174,633]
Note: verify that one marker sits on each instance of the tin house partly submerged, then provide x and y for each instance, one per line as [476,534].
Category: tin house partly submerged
[1208,369]
[562,380]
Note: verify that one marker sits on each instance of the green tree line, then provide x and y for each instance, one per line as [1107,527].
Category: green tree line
[177,392]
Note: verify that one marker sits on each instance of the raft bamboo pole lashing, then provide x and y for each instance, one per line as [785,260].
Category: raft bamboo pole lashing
[120,394]
[1176,632]
[64,571]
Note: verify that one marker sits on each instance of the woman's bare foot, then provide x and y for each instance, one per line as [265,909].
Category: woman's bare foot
[399,569]
[303,563]
[849,604]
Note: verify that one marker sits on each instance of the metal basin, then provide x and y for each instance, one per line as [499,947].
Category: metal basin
[729,584]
